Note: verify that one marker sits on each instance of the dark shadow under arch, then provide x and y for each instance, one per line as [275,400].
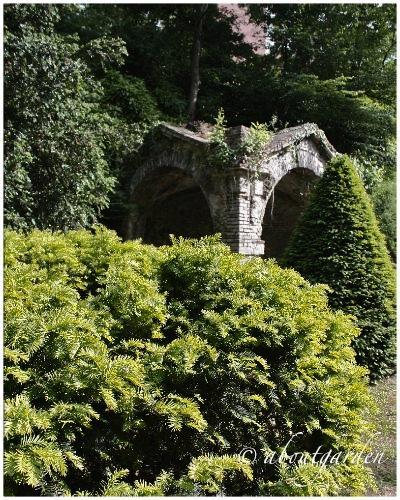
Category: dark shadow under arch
[183,214]
[284,208]
[171,202]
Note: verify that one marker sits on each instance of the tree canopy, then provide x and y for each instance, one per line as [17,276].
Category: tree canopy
[112,70]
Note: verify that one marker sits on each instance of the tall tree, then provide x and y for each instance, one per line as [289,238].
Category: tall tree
[195,62]
[159,40]
[329,41]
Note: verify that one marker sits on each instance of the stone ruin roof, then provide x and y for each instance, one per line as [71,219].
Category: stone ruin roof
[288,136]
[281,140]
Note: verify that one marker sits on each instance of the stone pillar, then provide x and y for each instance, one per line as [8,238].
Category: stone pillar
[241,220]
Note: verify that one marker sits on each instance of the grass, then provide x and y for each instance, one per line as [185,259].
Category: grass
[384,394]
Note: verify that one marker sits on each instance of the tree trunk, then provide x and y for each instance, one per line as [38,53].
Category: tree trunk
[194,68]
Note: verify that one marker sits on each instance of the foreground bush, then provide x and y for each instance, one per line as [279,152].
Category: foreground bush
[338,242]
[132,370]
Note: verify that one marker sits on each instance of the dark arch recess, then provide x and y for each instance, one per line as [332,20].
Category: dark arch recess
[285,205]
[172,203]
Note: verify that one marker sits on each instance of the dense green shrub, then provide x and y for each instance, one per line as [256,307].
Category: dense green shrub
[384,199]
[56,173]
[338,242]
[72,122]
[132,370]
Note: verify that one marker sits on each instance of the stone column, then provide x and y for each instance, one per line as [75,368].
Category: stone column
[241,220]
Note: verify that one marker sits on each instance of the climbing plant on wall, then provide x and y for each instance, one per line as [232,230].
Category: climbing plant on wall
[248,151]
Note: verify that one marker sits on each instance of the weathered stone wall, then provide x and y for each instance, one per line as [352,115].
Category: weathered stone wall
[174,162]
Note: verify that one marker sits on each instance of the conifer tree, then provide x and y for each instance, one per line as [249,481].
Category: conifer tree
[338,242]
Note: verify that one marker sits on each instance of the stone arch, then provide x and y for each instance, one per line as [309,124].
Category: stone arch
[285,205]
[168,201]
[294,161]
[173,160]
[168,190]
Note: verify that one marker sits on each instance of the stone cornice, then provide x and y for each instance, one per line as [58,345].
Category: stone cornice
[281,140]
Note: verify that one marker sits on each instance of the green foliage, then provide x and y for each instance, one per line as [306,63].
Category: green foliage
[384,199]
[254,144]
[56,174]
[72,122]
[209,471]
[131,97]
[370,171]
[222,154]
[310,479]
[378,173]
[132,112]
[356,41]
[159,39]
[338,242]
[131,370]
[249,151]
[352,121]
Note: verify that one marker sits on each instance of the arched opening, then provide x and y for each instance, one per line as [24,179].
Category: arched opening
[171,202]
[285,205]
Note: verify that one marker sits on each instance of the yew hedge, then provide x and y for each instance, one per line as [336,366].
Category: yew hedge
[131,370]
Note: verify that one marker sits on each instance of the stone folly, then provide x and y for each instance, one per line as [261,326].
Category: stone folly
[176,190]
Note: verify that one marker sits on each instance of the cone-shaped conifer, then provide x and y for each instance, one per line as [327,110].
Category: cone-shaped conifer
[338,242]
